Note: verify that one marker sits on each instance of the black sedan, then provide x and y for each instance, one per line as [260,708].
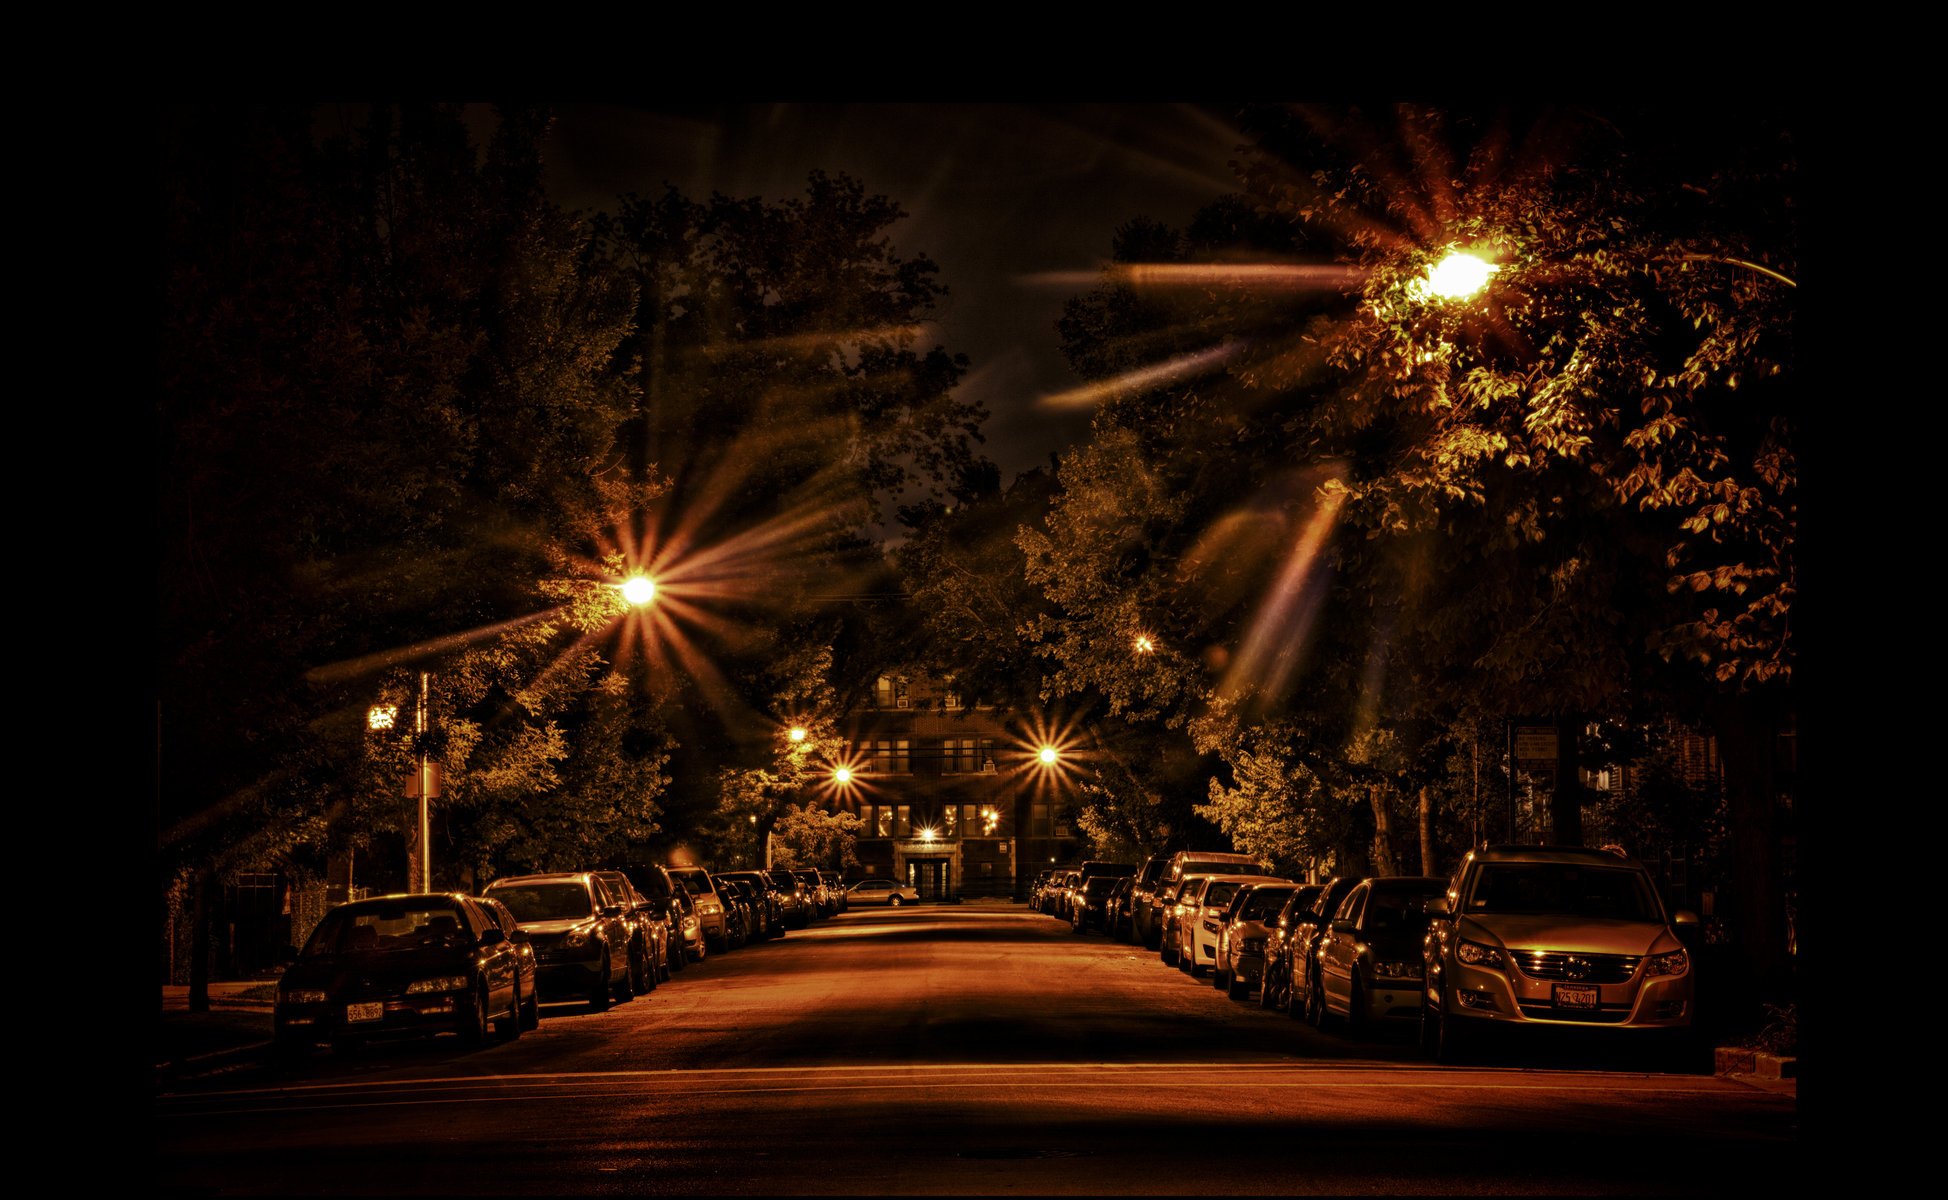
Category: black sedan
[401,965]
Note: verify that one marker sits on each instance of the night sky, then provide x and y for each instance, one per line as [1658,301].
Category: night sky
[1016,203]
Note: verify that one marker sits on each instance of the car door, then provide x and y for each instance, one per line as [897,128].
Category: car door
[1339,950]
[497,963]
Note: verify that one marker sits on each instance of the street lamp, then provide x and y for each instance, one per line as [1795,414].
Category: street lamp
[639,590]
[1048,756]
[842,775]
[797,733]
[1457,276]
[1143,644]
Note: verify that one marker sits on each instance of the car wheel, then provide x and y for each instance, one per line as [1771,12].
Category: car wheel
[598,997]
[1315,1003]
[703,949]
[473,1030]
[1295,1007]
[1220,979]
[1429,1040]
[1453,1040]
[1268,988]
[1237,988]
[1356,1009]
[1167,953]
[895,900]
[531,1011]
[508,1028]
[639,980]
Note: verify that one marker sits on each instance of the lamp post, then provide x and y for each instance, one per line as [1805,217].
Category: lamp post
[423,840]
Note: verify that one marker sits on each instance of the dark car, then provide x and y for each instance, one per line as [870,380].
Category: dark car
[740,916]
[528,967]
[581,938]
[643,934]
[1090,905]
[1117,909]
[835,887]
[792,895]
[772,921]
[1275,989]
[822,905]
[1301,969]
[401,965]
[1369,961]
[1144,929]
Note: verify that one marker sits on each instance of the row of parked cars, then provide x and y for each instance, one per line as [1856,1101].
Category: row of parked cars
[1518,937]
[449,962]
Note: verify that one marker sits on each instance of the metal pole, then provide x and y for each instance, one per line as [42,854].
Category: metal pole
[425,880]
[1508,733]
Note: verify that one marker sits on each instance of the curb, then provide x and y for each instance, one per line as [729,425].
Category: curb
[212,1058]
[1742,1060]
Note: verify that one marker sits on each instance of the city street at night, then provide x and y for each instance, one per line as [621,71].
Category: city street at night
[973,1048]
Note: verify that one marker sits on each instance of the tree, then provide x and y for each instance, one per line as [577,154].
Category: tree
[813,837]
[383,392]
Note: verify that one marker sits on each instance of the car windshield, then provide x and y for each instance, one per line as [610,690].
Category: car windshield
[1224,868]
[1390,910]
[378,930]
[696,879]
[1568,889]
[1220,894]
[1099,885]
[1263,903]
[545,901]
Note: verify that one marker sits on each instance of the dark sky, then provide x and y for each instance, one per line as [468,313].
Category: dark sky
[997,195]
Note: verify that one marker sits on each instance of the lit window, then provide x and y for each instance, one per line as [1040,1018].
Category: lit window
[885,821]
[950,820]
[902,824]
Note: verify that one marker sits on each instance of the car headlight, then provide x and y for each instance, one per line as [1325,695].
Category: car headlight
[302,996]
[577,938]
[1677,962]
[445,983]
[710,908]
[1477,955]
[1396,970]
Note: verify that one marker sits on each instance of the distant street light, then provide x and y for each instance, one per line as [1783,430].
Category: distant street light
[842,775]
[797,733]
[639,590]
[1048,756]
[1144,645]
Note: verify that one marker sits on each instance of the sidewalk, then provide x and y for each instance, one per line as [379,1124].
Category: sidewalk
[238,1026]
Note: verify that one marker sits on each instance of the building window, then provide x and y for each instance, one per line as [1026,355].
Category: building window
[1039,821]
[950,821]
[889,757]
[951,701]
[885,826]
[902,825]
[891,692]
[966,755]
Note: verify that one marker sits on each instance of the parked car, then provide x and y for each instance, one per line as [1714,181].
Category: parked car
[1301,967]
[1090,905]
[710,904]
[401,965]
[1275,989]
[772,920]
[821,904]
[1145,928]
[581,939]
[1241,944]
[1185,863]
[1116,909]
[527,967]
[1199,918]
[882,891]
[643,933]
[836,887]
[694,947]
[1370,957]
[1538,936]
[740,911]
[797,904]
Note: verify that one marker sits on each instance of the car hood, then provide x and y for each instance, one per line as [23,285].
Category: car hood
[1588,935]
[547,931]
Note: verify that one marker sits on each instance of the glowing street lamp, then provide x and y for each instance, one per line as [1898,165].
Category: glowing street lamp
[639,590]
[797,733]
[842,775]
[1144,645]
[381,717]
[1458,276]
[927,834]
[1048,756]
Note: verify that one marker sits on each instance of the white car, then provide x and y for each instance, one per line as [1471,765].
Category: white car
[1203,915]
[881,891]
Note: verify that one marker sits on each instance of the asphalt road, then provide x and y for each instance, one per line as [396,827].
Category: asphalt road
[939,1050]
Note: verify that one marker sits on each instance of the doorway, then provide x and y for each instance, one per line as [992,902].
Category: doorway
[928,876]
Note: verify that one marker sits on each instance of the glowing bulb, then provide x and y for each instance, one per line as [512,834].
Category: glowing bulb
[1459,275]
[927,834]
[639,590]
[1144,645]
[1048,756]
[842,775]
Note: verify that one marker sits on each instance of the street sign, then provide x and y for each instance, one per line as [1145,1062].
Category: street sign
[1536,743]
[432,780]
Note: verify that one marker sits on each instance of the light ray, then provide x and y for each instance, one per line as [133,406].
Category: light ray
[1182,367]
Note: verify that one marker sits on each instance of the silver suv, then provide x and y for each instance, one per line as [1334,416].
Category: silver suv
[1552,936]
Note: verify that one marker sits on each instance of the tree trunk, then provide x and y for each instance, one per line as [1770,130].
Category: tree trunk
[1427,866]
[1747,728]
[1566,804]
[1382,832]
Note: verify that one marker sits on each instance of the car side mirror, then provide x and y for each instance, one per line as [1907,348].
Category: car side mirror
[1436,906]
[492,937]
[1684,916]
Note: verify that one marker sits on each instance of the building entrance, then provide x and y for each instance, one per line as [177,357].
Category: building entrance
[928,876]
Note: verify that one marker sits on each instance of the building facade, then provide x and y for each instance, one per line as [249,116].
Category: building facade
[953,800]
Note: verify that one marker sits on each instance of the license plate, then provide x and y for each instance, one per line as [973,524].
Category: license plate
[364,1012]
[1575,997]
